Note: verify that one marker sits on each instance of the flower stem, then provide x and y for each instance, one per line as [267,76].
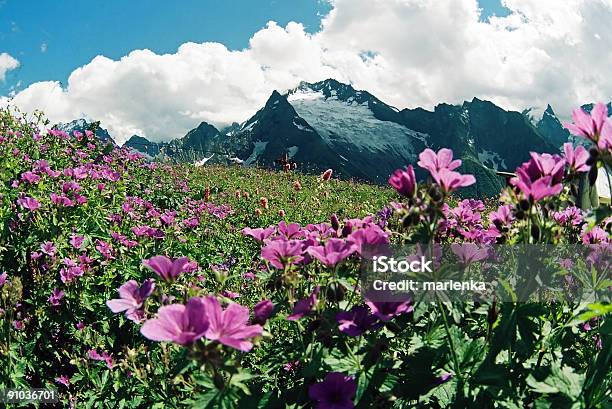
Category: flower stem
[450,340]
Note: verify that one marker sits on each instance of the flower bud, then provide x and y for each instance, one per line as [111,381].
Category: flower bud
[335,224]
[264,202]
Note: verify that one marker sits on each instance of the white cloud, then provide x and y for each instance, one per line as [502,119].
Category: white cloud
[407,52]
[7,63]
[43,47]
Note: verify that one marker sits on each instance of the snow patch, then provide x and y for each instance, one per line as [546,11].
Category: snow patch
[203,161]
[492,160]
[292,151]
[249,127]
[257,150]
[301,127]
[344,124]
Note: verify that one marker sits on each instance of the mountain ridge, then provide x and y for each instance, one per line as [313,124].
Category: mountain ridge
[329,124]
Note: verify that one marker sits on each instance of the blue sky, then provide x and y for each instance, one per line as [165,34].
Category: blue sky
[51,38]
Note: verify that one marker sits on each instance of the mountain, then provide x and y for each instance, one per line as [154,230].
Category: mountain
[551,128]
[143,145]
[83,125]
[329,124]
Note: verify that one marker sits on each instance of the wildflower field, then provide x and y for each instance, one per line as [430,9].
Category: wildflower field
[126,283]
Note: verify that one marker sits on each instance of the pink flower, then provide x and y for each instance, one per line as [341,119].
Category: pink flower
[469,253]
[30,177]
[105,356]
[132,299]
[76,241]
[281,253]
[434,162]
[167,218]
[230,326]
[450,181]
[570,216]
[595,235]
[105,249]
[576,158]
[290,231]
[258,234]
[3,277]
[63,380]
[262,311]
[540,177]
[595,127]
[56,297]
[370,241]
[304,306]
[48,248]
[332,252]
[181,324]
[336,391]
[29,203]
[70,271]
[404,181]
[502,217]
[166,268]
[356,321]
[385,310]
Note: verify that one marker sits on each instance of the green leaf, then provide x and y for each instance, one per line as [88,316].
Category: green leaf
[561,380]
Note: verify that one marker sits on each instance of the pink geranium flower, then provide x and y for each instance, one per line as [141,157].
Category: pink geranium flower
[166,268]
[281,253]
[434,162]
[290,231]
[332,252]
[502,217]
[469,253]
[450,181]
[576,158]
[63,379]
[304,306]
[370,241]
[404,181]
[30,177]
[48,248]
[540,177]
[336,391]
[262,311]
[595,127]
[385,310]
[105,356]
[76,241]
[181,324]
[230,326]
[258,234]
[28,203]
[56,297]
[356,321]
[132,297]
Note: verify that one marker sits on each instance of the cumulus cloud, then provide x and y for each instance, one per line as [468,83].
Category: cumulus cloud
[7,63]
[407,52]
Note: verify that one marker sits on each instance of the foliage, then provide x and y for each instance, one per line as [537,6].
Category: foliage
[80,219]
